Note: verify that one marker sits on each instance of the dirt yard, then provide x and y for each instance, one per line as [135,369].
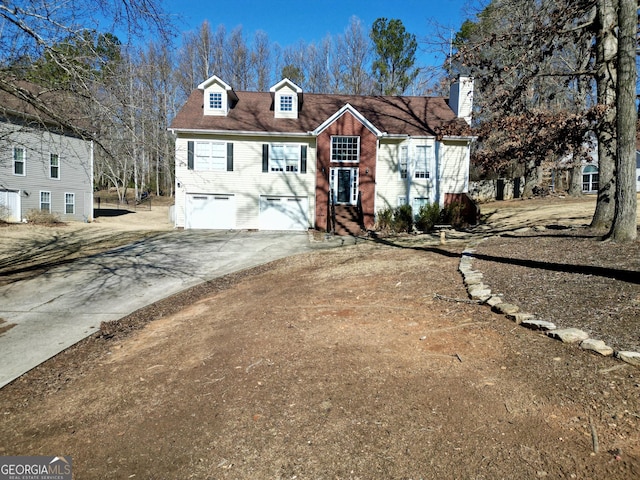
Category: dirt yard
[362,362]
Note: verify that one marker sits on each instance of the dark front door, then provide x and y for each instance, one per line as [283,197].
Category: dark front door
[344,186]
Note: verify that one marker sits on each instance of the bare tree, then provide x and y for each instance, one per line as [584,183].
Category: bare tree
[353,51]
[261,61]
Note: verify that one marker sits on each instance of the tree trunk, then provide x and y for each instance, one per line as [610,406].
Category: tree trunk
[606,51]
[532,177]
[575,181]
[624,228]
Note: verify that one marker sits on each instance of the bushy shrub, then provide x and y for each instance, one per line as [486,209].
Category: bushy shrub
[453,215]
[40,217]
[428,217]
[384,219]
[403,219]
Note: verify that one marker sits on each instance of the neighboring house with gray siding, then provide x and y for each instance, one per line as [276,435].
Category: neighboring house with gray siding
[42,167]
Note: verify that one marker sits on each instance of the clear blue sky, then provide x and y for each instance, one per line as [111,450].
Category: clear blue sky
[288,22]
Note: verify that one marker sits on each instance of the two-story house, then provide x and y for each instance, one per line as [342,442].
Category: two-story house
[284,159]
[42,166]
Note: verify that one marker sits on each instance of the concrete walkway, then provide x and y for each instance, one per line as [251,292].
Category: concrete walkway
[53,311]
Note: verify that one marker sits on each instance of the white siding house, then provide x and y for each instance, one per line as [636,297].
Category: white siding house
[286,160]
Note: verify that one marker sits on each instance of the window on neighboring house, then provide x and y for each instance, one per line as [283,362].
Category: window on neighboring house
[54,166]
[423,155]
[45,201]
[402,200]
[590,179]
[345,149]
[404,161]
[286,103]
[19,161]
[70,203]
[284,158]
[215,101]
[210,156]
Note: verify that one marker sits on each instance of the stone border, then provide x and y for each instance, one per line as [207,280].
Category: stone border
[481,292]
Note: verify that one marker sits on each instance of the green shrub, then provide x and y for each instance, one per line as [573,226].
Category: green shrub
[40,217]
[428,217]
[403,219]
[453,215]
[384,219]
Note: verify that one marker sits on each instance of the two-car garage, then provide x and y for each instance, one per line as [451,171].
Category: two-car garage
[220,212]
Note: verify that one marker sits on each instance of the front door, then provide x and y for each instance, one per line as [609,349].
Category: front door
[344,185]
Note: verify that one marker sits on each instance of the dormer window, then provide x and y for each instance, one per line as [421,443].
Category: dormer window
[287,99]
[218,97]
[215,101]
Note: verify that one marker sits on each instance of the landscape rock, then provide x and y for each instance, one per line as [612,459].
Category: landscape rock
[632,358]
[494,300]
[478,292]
[569,335]
[505,308]
[538,325]
[597,346]
[520,317]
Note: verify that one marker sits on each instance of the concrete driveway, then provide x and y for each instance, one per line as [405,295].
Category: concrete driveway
[61,307]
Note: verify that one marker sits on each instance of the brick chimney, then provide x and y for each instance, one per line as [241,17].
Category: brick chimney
[461,97]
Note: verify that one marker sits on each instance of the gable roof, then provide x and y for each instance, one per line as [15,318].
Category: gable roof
[253,113]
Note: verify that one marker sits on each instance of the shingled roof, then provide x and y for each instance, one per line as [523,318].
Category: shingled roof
[253,112]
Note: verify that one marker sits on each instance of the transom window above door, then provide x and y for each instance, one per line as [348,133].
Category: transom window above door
[345,149]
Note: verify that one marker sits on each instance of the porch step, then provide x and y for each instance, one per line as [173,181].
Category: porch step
[347,222]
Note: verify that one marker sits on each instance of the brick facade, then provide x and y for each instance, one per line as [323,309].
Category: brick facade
[346,125]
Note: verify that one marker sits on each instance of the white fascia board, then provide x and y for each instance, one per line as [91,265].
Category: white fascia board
[348,108]
[240,132]
[214,79]
[284,81]
[469,138]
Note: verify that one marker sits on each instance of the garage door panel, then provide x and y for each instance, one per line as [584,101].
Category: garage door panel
[284,213]
[207,211]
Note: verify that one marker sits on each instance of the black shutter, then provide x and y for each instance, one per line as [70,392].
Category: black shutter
[303,159]
[190,155]
[229,157]
[265,157]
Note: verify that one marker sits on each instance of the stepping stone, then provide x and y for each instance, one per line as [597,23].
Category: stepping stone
[520,317]
[505,308]
[568,335]
[632,358]
[597,346]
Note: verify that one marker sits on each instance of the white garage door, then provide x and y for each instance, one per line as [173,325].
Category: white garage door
[284,213]
[10,205]
[210,211]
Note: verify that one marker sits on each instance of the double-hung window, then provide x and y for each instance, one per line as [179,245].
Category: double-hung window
[70,203]
[19,161]
[215,101]
[210,156]
[345,149]
[422,160]
[403,164]
[54,166]
[45,201]
[284,158]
